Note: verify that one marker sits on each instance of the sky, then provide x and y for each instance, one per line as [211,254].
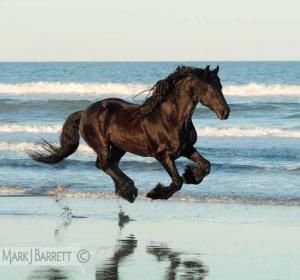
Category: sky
[156,30]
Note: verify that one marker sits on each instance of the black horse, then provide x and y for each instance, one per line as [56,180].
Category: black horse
[161,127]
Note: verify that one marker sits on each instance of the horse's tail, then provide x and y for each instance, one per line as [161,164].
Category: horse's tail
[69,142]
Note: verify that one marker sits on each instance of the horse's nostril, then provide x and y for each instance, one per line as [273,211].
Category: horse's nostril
[225,113]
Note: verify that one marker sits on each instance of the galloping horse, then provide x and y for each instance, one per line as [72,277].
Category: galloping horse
[161,127]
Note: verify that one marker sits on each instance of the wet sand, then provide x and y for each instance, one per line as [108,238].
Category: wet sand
[152,240]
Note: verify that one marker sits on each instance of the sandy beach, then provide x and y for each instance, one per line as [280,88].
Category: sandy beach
[151,240]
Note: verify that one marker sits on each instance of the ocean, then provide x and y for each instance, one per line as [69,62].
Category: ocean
[254,154]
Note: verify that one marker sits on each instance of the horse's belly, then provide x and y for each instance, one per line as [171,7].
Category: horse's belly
[130,139]
[133,146]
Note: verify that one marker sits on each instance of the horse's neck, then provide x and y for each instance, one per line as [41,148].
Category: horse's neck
[179,107]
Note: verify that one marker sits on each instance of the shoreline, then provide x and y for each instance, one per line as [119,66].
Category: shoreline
[65,193]
[146,209]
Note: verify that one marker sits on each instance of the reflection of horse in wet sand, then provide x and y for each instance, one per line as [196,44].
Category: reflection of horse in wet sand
[48,273]
[125,248]
[161,128]
[190,269]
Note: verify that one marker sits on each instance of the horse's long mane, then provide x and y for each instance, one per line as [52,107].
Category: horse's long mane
[161,91]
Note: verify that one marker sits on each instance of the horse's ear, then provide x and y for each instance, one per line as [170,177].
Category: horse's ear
[216,71]
[206,71]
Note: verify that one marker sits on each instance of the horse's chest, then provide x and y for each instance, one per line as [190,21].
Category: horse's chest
[180,141]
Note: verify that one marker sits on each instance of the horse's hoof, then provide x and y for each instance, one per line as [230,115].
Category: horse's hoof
[193,175]
[128,191]
[159,192]
[188,176]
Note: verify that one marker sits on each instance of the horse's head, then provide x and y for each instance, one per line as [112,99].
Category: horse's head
[208,91]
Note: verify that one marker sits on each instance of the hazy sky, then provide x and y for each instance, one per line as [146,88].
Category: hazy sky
[149,30]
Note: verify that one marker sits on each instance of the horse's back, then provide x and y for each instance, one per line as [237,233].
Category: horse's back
[115,121]
[110,105]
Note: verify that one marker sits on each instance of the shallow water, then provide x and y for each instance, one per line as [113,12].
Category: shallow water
[254,154]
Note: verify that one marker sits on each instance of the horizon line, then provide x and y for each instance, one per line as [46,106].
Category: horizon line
[135,61]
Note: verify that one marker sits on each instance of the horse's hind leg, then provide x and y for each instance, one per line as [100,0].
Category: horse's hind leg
[110,165]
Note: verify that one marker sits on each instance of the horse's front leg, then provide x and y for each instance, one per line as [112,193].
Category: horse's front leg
[195,175]
[162,192]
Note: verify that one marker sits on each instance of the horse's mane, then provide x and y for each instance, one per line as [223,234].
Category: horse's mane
[161,91]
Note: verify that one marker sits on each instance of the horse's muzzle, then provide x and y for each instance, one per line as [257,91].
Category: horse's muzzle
[224,114]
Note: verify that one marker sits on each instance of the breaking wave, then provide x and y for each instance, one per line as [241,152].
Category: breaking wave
[26,147]
[17,128]
[247,132]
[206,131]
[254,89]
[44,89]
[59,89]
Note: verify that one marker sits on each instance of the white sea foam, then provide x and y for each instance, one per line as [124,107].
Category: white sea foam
[254,89]
[18,147]
[27,147]
[45,89]
[12,190]
[247,132]
[30,128]
[58,89]
[206,131]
